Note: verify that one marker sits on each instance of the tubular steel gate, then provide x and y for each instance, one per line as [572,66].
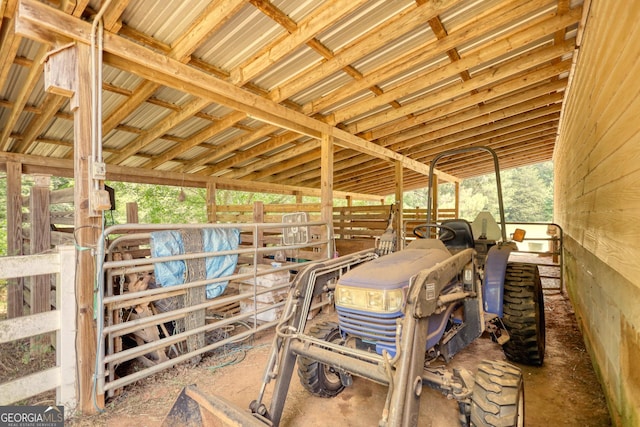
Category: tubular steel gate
[161,326]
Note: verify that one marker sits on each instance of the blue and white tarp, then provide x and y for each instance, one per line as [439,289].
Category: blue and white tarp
[171,273]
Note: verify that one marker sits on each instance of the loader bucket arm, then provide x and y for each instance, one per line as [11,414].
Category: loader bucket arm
[195,408]
[405,386]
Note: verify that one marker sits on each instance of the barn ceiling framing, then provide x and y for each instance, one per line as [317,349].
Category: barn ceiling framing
[242,90]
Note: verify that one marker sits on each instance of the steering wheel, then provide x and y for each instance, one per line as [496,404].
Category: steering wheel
[422,231]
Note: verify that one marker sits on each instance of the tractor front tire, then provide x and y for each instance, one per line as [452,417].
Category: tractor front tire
[524,314]
[317,378]
[498,396]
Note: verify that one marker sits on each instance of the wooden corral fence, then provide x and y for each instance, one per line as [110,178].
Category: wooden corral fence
[416,216]
[62,321]
[354,227]
[46,221]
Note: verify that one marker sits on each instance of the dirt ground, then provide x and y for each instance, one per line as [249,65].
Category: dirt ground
[563,392]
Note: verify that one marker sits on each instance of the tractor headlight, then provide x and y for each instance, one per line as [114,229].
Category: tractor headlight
[381,301]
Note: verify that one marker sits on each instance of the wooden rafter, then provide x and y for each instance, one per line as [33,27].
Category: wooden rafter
[418,78]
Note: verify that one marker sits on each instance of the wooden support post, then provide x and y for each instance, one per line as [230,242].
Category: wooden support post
[258,217]
[399,221]
[457,198]
[132,213]
[40,241]
[15,290]
[326,187]
[87,228]
[212,214]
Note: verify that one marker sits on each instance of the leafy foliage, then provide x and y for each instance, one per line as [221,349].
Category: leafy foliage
[527,194]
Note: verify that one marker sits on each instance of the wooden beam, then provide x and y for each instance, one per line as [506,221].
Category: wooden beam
[36,18]
[15,294]
[169,122]
[50,106]
[25,92]
[408,20]
[87,229]
[254,152]
[519,90]
[322,17]
[214,16]
[326,187]
[194,140]
[284,159]
[477,27]
[9,44]
[446,72]
[63,167]
[470,121]
[512,70]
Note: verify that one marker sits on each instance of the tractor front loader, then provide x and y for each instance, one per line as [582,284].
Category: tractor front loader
[397,314]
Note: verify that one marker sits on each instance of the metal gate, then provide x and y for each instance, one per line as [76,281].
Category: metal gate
[142,321]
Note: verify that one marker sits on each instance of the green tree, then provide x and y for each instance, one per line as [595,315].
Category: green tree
[527,194]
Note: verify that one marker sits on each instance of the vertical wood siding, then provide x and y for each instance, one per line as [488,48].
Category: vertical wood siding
[597,196]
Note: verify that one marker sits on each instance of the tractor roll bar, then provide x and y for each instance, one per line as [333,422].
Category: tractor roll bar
[496,167]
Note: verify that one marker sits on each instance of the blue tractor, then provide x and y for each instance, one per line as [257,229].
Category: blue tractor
[399,313]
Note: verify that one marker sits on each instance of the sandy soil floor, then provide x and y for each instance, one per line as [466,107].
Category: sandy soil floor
[563,392]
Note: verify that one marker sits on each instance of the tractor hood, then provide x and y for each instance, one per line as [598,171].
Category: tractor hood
[394,271]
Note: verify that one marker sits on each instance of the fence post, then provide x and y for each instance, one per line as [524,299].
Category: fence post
[66,393]
[40,241]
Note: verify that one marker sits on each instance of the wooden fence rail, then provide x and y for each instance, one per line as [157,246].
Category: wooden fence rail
[62,377]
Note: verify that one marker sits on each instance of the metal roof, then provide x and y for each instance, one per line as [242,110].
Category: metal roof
[412,77]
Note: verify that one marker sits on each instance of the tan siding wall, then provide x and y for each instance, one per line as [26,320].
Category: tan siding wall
[597,198]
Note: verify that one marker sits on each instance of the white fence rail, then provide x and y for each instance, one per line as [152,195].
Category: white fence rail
[62,321]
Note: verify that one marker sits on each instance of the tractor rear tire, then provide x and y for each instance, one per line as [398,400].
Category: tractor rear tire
[498,396]
[317,378]
[524,314]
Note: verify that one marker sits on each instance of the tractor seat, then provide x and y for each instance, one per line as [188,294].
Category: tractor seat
[464,234]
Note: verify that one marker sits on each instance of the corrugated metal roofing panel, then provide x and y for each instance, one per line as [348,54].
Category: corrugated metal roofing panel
[161,19]
[194,153]
[388,53]
[323,87]
[464,11]
[299,60]
[216,110]
[146,116]
[489,37]
[159,146]
[172,96]
[117,139]
[361,21]
[239,38]
[119,78]
[250,30]
[547,41]
[412,72]
[297,9]
[225,135]
[189,127]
